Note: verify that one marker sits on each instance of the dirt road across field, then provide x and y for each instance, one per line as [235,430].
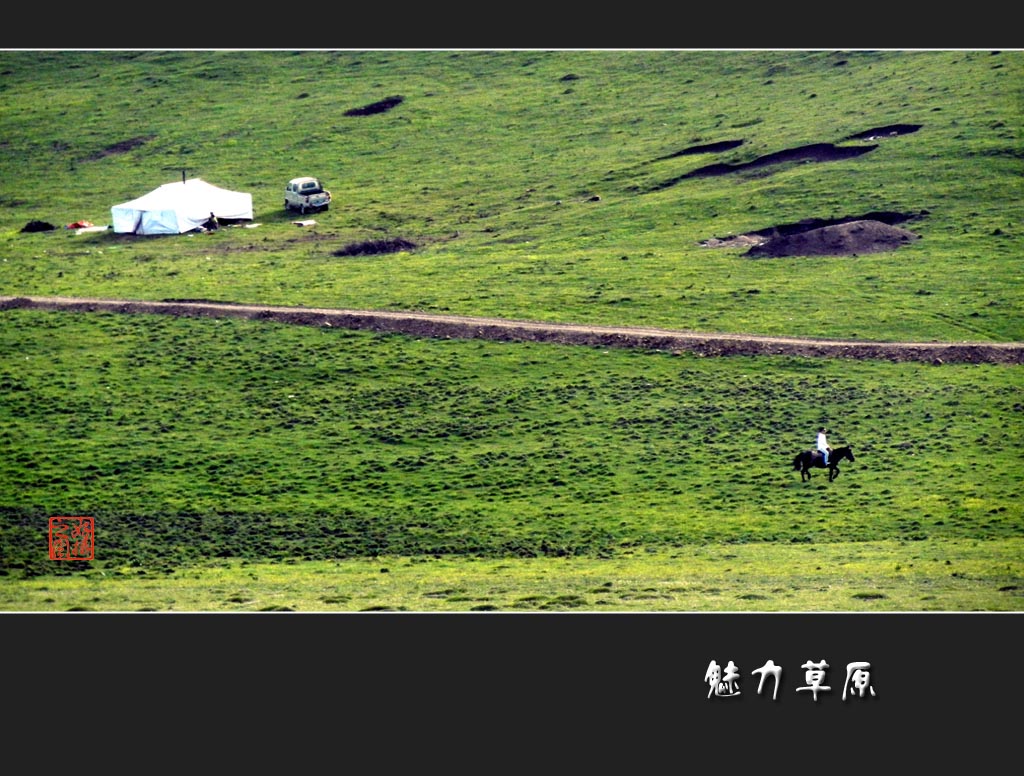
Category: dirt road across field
[467,327]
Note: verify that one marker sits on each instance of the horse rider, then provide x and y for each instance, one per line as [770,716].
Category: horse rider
[823,443]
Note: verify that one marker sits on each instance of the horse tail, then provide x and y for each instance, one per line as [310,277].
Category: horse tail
[796,461]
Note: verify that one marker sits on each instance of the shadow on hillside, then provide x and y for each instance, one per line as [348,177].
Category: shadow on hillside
[814,152]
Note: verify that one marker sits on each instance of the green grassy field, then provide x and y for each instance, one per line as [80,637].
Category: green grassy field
[883,576]
[491,165]
[246,465]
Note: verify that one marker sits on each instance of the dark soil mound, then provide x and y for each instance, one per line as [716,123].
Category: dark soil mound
[375,247]
[847,239]
[889,217]
[891,130]
[38,226]
[120,148]
[762,236]
[709,148]
[376,107]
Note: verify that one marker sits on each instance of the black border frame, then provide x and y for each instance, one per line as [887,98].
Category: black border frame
[624,691]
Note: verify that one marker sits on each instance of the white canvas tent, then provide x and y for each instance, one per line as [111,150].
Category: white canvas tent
[175,208]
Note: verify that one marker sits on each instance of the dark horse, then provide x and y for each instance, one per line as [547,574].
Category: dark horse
[813,459]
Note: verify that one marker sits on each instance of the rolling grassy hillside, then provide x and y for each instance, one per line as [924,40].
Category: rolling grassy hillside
[539,185]
[551,186]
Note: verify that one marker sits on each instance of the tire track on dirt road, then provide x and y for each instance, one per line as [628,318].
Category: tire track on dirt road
[505,330]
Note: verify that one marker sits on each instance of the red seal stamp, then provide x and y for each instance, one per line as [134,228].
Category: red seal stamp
[72,538]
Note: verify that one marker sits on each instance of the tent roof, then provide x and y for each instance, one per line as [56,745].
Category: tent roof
[179,207]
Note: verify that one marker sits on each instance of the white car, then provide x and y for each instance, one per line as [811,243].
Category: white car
[306,195]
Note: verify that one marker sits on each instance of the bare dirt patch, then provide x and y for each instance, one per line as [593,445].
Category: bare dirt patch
[873,232]
[381,106]
[375,247]
[120,148]
[847,239]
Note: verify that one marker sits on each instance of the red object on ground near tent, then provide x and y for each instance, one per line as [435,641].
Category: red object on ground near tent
[80,225]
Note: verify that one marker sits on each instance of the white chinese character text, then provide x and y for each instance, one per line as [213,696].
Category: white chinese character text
[814,676]
[723,684]
[858,678]
[767,669]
